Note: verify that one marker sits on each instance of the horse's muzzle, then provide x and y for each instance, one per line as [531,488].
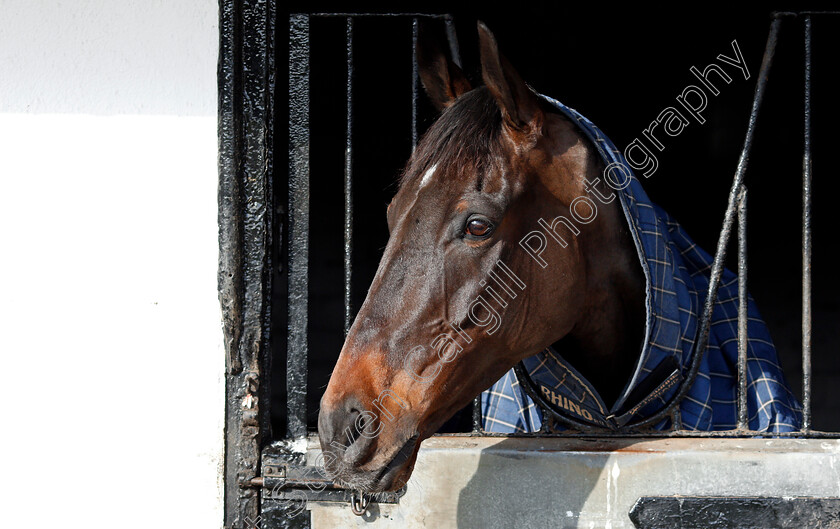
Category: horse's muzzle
[359,457]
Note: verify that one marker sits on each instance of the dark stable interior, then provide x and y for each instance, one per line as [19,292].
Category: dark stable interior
[620,68]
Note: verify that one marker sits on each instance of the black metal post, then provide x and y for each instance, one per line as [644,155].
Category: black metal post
[298,310]
[246,75]
[415,82]
[806,238]
[726,229]
[676,419]
[348,187]
[729,217]
[452,37]
[476,414]
[743,420]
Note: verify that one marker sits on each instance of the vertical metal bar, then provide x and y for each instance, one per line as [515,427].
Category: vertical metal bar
[806,238]
[742,310]
[348,186]
[737,181]
[476,414]
[455,52]
[676,419]
[415,81]
[246,128]
[452,37]
[298,311]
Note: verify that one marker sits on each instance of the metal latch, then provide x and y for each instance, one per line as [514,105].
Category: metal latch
[310,483]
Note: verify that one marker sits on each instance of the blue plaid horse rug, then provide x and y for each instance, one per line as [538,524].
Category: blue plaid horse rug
[677,280]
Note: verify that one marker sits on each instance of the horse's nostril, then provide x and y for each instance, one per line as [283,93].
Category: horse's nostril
[339,427]
[355,418]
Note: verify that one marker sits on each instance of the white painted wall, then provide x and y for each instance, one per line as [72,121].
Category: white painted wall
[111,389]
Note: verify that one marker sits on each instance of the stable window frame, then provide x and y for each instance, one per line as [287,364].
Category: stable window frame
[247,227]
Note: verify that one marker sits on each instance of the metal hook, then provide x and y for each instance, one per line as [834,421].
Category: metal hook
[358,503]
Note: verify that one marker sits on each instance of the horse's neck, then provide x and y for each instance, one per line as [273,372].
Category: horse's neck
[605,343]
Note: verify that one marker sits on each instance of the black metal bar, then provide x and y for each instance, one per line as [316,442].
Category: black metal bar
[806,237]
[455,52]
[415,78]
[348,186]
[476,414]
[729,217]
[344,15]
[230,228]
[795,14]
[743,422]
[737,181]
[230,237]
[715,512]
[720,254]
[676,419]
[298,310]
[246,132]
[452,37]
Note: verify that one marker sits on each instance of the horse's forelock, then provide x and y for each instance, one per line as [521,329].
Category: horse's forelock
[465,140]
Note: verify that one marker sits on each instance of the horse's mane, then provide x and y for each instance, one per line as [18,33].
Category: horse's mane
[465,139]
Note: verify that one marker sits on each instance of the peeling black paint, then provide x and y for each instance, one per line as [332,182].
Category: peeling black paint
[246,128]
[690,512]
[282,514]
[298,301]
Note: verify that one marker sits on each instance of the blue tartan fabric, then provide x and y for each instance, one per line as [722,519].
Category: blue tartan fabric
[677,276]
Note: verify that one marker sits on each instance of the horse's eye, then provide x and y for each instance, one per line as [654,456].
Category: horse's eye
[478,228]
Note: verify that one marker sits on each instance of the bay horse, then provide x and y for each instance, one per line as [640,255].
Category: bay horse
[465,290]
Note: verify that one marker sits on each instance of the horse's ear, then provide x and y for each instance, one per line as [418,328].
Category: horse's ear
[442,78]
[520,106]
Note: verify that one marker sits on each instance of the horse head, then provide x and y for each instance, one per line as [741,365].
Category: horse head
[481,270]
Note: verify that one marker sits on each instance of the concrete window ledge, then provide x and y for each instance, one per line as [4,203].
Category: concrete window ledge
[486,482]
